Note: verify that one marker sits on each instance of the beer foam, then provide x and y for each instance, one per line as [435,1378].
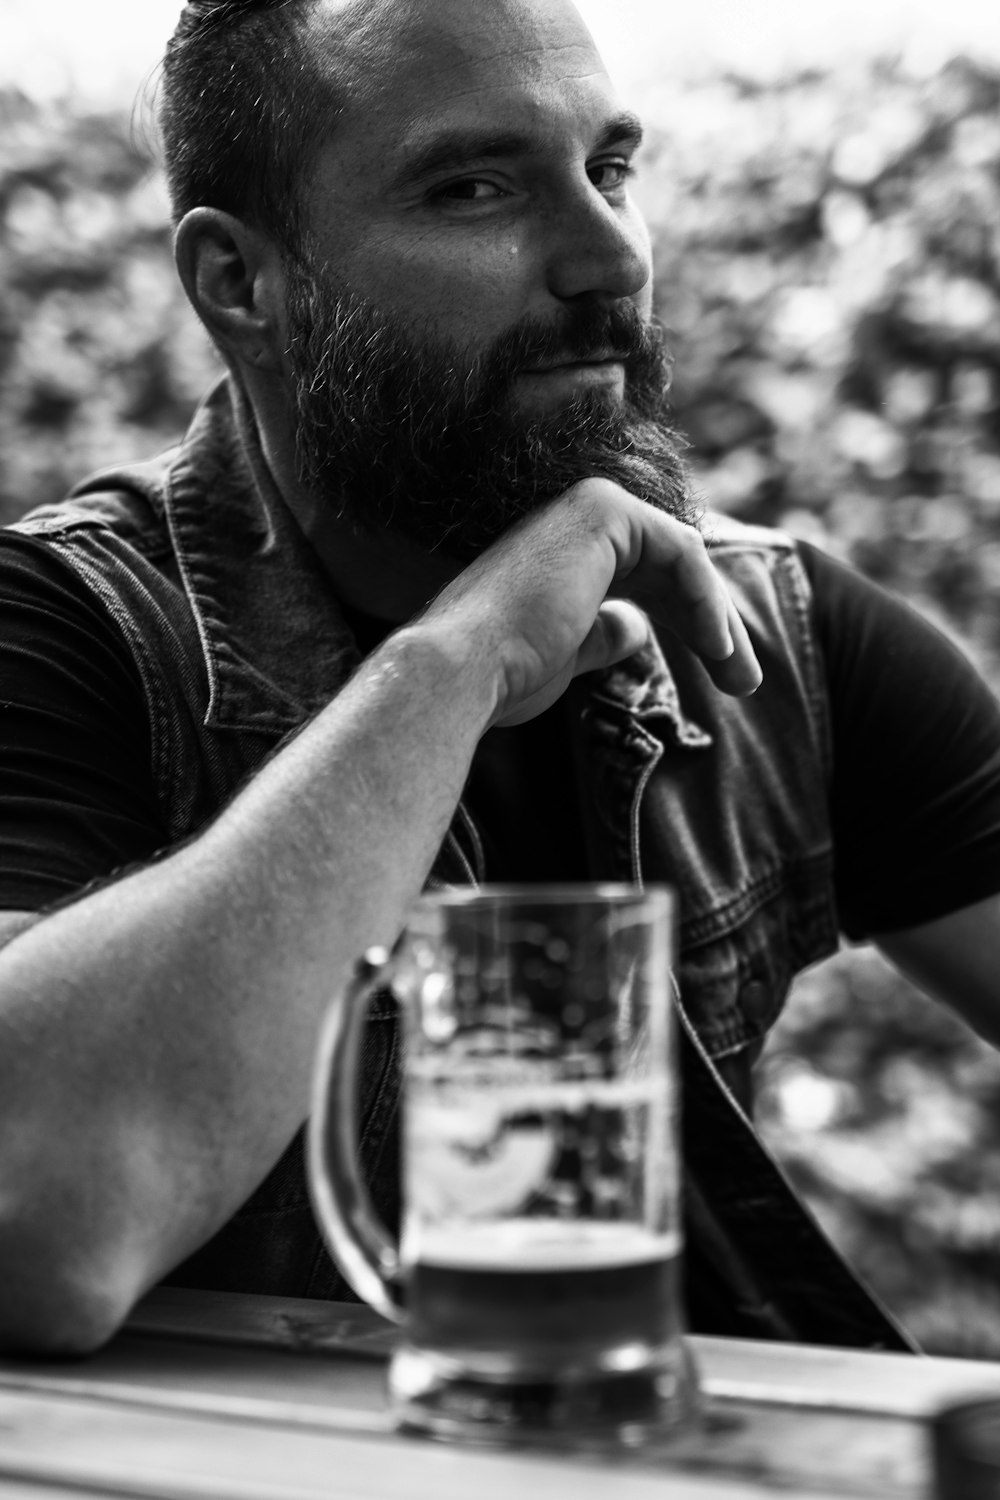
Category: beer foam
[455,1089]
[537,1245]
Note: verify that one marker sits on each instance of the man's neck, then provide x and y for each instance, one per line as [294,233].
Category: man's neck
[380,573]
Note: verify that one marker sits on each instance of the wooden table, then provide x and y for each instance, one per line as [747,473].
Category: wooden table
[212,1397]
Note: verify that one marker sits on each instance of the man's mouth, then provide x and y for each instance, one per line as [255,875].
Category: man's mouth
[557,383]
[575,362]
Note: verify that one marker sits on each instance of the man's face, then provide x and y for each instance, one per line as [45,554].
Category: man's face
[468,325]
[476,175]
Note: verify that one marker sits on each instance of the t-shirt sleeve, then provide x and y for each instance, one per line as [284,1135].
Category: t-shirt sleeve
[915,799]
[77,800]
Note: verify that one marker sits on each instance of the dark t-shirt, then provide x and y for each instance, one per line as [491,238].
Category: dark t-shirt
[76,790]
[915,799]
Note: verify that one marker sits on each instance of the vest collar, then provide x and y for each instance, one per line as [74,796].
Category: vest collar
[276,645]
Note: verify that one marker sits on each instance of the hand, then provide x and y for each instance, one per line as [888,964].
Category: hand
[556,596]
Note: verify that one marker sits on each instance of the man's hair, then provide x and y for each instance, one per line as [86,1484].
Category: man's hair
[240,111]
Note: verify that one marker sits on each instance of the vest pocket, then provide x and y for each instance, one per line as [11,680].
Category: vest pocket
[735,979]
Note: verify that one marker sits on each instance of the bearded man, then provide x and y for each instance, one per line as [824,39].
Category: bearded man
[420,597]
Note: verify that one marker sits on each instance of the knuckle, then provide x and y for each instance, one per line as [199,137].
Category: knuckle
[594,496]
[689,538]
[594,487]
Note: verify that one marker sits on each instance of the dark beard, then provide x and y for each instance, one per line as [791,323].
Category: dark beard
[410,436]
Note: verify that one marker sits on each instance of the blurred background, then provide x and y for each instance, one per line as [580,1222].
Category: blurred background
[823,183]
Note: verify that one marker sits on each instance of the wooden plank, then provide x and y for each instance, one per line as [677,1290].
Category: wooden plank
[782,1415]
[847,1380]
[289,1393]
[301,1324]
[41,1489]
[257,1385]
[161,1455]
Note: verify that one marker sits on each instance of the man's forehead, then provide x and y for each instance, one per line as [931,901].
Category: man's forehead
[373,49]
[472,21]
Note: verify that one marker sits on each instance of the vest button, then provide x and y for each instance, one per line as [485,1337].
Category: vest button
[755,1000]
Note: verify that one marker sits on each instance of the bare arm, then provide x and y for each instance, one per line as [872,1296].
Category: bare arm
[956,959]
[156,1037]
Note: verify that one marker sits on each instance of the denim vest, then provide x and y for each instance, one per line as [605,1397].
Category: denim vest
[238,640]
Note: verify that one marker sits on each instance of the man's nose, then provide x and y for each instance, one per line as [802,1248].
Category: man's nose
[597,248]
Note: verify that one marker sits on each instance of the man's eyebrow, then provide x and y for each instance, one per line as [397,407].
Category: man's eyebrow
[460,147]
[624,129]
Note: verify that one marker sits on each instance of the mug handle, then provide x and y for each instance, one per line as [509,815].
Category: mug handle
[355,1237]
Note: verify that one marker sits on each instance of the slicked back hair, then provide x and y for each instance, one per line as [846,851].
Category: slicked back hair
[243,107]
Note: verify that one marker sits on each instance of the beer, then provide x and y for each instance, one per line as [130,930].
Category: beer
[541,1293]
[535,1219]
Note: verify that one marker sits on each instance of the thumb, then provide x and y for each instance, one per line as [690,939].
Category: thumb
[619,629]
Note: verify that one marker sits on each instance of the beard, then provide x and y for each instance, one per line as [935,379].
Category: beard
[412,435]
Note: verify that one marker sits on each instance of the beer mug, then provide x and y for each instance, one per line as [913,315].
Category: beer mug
[537,1279]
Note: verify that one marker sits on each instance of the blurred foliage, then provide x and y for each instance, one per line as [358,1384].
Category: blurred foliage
[828,261]
[100,358]
[885,1111]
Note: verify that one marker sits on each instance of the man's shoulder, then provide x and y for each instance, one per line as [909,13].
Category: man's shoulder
[127,500]
[132,499]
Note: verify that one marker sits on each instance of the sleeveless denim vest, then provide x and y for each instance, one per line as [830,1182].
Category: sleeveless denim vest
[238,640]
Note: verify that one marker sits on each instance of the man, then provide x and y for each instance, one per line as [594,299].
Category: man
[442,447]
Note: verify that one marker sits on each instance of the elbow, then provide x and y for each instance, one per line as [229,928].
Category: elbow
[56,1328]
[73,1245]
[52,1304]
[62,1322]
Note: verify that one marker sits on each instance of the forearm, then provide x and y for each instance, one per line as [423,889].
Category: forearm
[158,1034]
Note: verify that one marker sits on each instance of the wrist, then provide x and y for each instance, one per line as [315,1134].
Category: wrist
[453,663]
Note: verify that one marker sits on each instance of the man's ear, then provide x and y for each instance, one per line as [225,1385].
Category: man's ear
[233,277]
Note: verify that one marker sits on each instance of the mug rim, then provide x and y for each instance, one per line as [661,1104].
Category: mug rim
[564,893]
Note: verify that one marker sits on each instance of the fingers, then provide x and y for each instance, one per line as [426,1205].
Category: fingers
[619,630]
[669,572]
[556,597]
[738,674]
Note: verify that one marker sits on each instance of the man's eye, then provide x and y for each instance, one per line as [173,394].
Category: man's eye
[610,176]
[469,190]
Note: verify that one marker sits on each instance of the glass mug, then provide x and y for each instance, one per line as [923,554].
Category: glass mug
[538,1274]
